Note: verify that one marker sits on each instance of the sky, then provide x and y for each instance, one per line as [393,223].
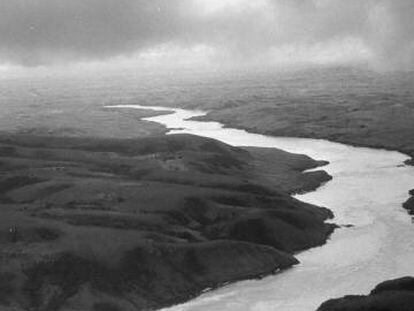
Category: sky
[47,33]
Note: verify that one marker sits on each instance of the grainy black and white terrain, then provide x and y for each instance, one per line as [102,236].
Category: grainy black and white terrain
[155,153]
[143,223]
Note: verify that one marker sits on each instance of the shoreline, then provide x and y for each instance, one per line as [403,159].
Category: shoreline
[248,276]
[350,142]
[341,141]
[409,204]
[230,125]
[395,294]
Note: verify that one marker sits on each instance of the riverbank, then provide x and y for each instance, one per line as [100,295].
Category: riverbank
[346,105]
[313,129]
[409,204]
[395,294]
[367,190]
[110,224]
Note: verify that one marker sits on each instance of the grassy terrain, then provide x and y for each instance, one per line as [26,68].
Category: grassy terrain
[109,224]
[98,205]
[388,296]
[357,107]
[70,107]
[350,105]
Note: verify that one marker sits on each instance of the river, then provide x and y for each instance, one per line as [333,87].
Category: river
[367,190]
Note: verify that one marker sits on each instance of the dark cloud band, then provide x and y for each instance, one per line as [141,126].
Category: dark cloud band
[44,31]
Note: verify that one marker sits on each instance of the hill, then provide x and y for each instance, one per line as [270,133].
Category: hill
[393,295]
[110,224]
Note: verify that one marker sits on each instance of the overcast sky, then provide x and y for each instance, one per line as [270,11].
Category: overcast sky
[264,32]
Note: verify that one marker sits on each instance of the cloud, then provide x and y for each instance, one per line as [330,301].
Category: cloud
[391,33]
[36,32]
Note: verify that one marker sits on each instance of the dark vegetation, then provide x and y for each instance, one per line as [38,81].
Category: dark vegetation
[409,204]
[109,225]
[394,295]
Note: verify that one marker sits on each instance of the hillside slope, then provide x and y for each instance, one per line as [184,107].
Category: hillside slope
[106,224]
[393,295]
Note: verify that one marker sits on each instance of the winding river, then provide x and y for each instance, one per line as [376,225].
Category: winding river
[367,190]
